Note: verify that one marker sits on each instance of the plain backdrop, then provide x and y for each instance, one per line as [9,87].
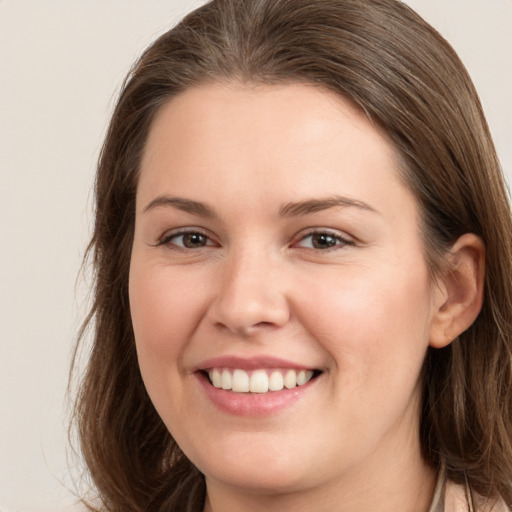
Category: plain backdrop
[61,65]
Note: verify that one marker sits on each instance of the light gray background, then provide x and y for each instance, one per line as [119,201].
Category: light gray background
[61,64]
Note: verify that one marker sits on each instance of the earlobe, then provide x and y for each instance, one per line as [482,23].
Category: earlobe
[459,291]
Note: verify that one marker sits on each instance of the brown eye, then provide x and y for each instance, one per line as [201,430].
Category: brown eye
[322,240]
[194,240]
[187,240]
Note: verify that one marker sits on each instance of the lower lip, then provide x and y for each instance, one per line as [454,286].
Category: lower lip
[253,404]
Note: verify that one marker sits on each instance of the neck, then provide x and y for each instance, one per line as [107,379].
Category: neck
[400,487]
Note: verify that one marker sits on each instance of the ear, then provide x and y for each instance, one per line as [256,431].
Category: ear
[459,291]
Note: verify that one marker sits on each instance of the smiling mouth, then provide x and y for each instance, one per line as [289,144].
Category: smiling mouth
[260,380]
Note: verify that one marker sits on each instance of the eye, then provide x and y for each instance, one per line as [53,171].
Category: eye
[323,240]
[187,240]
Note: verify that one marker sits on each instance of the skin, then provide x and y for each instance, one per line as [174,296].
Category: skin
[363,311]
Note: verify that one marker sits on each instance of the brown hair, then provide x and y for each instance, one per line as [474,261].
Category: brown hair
[407,79]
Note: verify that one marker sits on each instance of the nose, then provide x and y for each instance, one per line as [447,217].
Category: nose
[251,295]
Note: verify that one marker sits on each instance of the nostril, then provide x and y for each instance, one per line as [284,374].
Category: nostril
[263,324]
[246,331]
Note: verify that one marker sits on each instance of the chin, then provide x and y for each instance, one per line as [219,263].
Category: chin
[262,481]
[258,467]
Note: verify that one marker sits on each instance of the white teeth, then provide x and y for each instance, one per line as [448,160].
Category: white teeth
[301,378]
[258,381]
[226,381]
[276,381]
[215,377]
[290,379]
[240,381]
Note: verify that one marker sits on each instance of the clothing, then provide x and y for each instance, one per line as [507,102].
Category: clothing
[452,497]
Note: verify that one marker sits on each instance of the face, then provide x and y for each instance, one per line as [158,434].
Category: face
[280,298]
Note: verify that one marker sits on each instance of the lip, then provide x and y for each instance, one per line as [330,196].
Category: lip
[253,363]
[251,405]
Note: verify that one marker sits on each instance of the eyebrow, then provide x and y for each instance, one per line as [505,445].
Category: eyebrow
[295,209]
[185,205]
[317,205]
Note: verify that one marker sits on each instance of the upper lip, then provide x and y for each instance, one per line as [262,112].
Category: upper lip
[251,363]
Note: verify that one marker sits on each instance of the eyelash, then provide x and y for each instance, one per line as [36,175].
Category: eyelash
[339,240]
[167,239]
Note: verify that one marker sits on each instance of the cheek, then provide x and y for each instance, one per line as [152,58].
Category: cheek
[375,323]
[165,308]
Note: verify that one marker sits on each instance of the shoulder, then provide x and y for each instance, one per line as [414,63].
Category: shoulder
[458,498]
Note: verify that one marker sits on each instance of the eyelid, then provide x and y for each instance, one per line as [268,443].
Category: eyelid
[166,238]
[342,237]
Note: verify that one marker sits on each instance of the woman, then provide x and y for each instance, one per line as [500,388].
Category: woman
[303,288]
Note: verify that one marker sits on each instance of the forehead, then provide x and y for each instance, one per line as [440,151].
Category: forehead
[261,141]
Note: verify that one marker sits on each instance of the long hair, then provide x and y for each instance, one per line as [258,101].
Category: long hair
[407,79]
